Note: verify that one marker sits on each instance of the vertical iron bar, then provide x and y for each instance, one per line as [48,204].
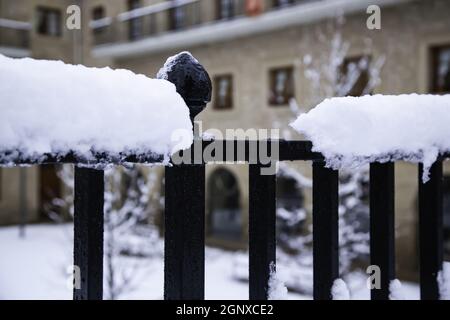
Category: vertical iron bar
[23,198]
[184,257]
[261,231]
[382,225]
[88,234]
[430,231]
[325,230]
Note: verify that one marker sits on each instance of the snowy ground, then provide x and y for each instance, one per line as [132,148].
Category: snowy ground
[39,267]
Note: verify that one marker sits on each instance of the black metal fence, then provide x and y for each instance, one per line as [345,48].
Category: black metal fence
[185,215]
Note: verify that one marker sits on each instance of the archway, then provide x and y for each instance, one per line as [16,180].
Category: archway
[225,214]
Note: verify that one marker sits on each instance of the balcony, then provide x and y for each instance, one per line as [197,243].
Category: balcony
[181,24]
[162,18]
[14,38]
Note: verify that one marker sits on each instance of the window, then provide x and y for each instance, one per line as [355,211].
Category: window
[98,13]
[223,92]
[282,3]
[177,16]
[225,218]
[440,66]
[281,86]
[354,77]
[49,22]
[225,9]
[135,24]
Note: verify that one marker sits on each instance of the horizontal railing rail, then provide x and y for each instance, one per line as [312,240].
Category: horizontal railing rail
[17,157]
[14,34]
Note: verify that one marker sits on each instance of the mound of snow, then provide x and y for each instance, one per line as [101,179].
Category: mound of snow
[277,289]
[444,281]
[339,290]
[48,107]
[163,73]
[352,131]
[396,290]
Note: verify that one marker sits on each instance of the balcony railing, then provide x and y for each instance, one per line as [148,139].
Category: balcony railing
[14,34]
[172,16]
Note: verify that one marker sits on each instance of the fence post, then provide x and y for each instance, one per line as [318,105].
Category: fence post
[430,231]
[325,230]
[382,225]
[184,258]
[88,234]
[262,243]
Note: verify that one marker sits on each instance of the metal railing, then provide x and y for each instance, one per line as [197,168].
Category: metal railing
[14,34]
[184,257]
[171,16]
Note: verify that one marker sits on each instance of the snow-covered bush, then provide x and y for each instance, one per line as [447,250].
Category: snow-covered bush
[353,219]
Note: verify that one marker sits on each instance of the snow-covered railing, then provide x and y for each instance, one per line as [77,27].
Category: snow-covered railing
[145,21]
[55,113]
[15,24]
[100,23]
[14,34]
[88,114]
[379,130]
[154,8]
[163,17]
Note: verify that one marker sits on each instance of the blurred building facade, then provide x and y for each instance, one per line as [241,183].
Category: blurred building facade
[254,51]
